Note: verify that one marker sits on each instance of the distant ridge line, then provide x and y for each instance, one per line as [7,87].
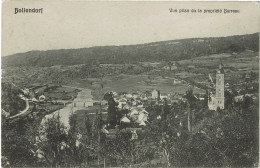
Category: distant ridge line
[170,50]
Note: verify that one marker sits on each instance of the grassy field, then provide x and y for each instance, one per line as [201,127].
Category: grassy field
[131,83]
[234,66]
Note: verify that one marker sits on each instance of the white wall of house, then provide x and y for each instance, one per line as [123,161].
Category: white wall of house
[155,94]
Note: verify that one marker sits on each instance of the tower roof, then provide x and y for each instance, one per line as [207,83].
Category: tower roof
[220,68]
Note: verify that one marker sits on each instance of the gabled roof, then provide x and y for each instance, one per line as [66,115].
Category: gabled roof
[125,119]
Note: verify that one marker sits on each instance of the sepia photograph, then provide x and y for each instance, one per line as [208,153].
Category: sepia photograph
[133,84]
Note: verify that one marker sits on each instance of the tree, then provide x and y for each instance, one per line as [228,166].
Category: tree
[229,99]
[16,145]
[170,65]
[11,102]
[244,133]
[72,157]
[191,103]
[112,109]
[53,140]
[123,150]
[232,135]
[206,98]
[163,133]
[235,48]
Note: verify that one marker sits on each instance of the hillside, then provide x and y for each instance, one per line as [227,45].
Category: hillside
[157,51]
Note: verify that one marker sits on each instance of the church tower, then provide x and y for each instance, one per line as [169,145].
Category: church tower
[220,87]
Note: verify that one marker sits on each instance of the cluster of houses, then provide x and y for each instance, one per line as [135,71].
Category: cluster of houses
[29,96]
[35,94]
[135,104]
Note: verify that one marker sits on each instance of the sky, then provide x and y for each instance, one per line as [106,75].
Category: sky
[70,24]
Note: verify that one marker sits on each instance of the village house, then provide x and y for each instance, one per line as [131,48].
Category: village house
[121,103]
[155,94]
[125,121]
[83,102]
[138,115]
[176,81]
[227,85]
[148,94]
[134,135]
[142,117]
[143,97]
[135,95]
[239,98]
[127,107]
[128,95]
[134,103]
[163,96]
[139,104]
[172,67]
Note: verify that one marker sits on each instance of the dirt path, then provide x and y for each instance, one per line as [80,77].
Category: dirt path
[23,111]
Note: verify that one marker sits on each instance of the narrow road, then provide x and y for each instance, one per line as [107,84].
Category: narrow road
[23,111]
[68,110]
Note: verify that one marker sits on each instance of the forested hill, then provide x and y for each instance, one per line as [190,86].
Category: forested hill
[156,51]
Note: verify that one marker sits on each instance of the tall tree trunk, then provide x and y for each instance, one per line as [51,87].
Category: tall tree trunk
[189,118]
